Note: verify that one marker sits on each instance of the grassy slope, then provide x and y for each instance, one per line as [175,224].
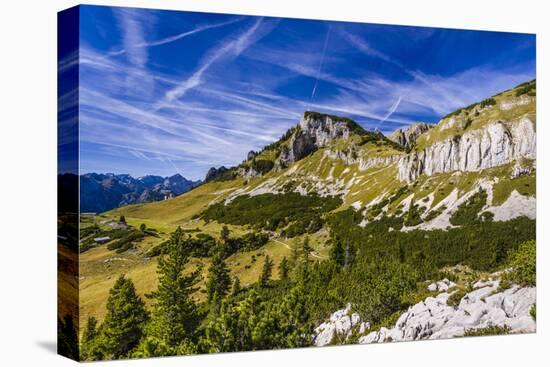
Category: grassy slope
[443,130]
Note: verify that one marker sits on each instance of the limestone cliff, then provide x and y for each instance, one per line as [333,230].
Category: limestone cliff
[495,144]
[314,131]
[406,137]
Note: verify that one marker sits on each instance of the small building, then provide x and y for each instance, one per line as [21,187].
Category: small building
[102,239]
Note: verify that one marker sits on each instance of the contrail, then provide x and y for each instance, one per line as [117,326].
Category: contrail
[173,38]
[390,112]
[320,64]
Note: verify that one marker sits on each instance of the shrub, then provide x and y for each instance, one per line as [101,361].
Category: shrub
[126,242]
[262,165]
[527,88]
[467,213]
[435,213]
[272,211]
[455,298]
[523,262]
[487,102]
[468,123]
[413,216]
[489,330]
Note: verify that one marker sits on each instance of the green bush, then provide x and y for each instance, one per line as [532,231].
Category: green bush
[262,165]
[529,88]
[523,262]
[413,217]
[126,242]
[489,330]
[271,211]
[455,298]
[482,246]
[487,102]
[467,213]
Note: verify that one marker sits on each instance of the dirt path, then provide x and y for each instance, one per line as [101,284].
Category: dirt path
[282,243]
[312,253]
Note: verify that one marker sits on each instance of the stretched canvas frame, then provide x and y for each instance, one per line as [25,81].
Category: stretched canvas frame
[236,183]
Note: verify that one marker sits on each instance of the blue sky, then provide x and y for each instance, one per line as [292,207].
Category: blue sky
[164,92]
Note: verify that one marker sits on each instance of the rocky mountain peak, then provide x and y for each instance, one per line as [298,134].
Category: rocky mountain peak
[214,173]
[316,130]
[407,136]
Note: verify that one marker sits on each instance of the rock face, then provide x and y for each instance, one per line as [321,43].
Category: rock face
[407,136]
[363,163]
[496,144]
[214,173]
[341,324]
[314,131]
[441,286]
[485,306]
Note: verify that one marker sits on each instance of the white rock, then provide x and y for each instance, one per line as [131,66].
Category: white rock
[339,323]
[494,145]
[441,286]
[483,307]
[516,205]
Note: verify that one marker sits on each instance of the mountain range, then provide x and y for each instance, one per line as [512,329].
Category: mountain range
[101,192]
[433,168]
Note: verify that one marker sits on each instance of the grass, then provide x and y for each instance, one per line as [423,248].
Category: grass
[524,185]
[179,210]
[489,330]
[100,267]
[442,131]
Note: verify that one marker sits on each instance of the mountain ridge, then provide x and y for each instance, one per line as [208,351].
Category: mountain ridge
[100,192]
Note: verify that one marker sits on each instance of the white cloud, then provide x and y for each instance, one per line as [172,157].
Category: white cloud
[231,48]
[131,23]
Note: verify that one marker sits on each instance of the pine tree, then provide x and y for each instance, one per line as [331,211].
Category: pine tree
[235,328]
[284,269]
[122,219]
[224,234]
[349,255]
[124,321]
[90,331]
[267,269]
[295,253]
[175,314]
[236,287]
[401,253]
[219,280]
[88,337]
[306,249]
[290,326]
[337,253]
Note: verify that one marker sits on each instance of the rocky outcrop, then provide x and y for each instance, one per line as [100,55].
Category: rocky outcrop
[441,286]
[340,324]
[406,137]
[483,307]
[314,131]
[521,170]
[214,173]
[363,163]
[496,144]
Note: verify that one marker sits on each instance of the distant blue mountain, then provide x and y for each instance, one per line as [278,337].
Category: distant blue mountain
[100,192]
